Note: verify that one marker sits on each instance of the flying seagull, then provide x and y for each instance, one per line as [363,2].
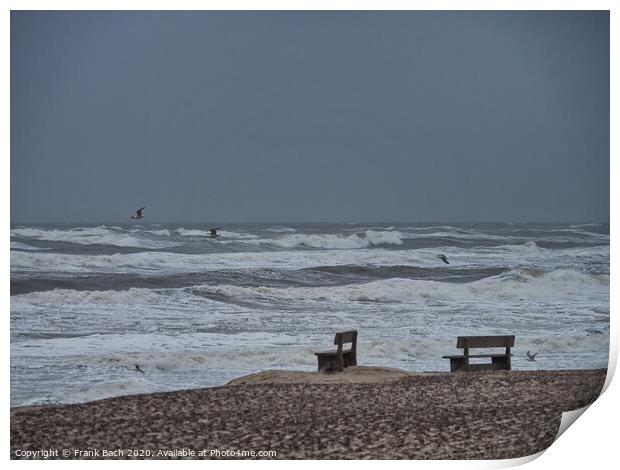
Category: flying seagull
[531,357]
[214,233]
[443,258]
[138,369]
[138,214]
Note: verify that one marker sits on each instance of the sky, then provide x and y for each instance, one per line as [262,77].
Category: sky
[310,116]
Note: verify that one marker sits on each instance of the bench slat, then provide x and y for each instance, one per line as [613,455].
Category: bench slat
[347,336]
[485,341]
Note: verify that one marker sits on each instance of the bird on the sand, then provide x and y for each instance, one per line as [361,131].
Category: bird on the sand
[138,369]
[213,232]
[443,258]
[531,357]
[138,214]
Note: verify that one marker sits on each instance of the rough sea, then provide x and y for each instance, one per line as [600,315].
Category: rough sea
[90,301]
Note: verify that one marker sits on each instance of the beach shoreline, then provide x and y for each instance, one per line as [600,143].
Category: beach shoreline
[363,412]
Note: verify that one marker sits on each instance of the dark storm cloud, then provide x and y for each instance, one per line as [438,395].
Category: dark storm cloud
[280,116]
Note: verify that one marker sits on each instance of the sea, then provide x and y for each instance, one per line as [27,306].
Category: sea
[89,302]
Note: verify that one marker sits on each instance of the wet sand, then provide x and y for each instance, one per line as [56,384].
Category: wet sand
[364,412]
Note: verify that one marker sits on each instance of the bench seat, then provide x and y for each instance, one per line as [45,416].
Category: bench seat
[475,355]
[331,352]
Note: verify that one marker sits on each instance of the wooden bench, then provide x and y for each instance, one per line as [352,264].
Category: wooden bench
[339,358]
[498,360]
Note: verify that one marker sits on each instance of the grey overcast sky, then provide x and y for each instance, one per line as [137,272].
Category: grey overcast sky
[310,116]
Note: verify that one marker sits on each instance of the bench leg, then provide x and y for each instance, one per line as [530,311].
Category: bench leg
[352,359]
[457,363]
[339,362]
[329,363]
[336,361]
[501,363]
[349,359]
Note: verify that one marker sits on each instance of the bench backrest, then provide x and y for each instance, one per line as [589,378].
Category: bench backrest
[485,341]
[346,337]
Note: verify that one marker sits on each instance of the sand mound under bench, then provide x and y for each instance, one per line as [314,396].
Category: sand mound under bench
[361,374]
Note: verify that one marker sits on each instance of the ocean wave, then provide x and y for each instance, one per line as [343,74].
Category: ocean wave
[571,234]
[164,262]
[527,248]
[522,285]
[432,227]
[280,229]
[101,235]
[593,224]
[161,233]
[456,234]
[515,285]
[184,232]
[223,234]
[130,298]
[288,238]
[335,241]
[24,246]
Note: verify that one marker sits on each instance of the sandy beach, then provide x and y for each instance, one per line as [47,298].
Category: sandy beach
[363,412]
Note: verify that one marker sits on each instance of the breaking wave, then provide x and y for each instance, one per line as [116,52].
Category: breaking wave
[162,262]
[333,241]
[515,284]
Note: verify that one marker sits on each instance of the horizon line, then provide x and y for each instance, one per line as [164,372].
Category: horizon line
[142,222]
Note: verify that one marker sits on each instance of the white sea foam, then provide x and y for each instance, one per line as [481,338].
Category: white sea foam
[225,234]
